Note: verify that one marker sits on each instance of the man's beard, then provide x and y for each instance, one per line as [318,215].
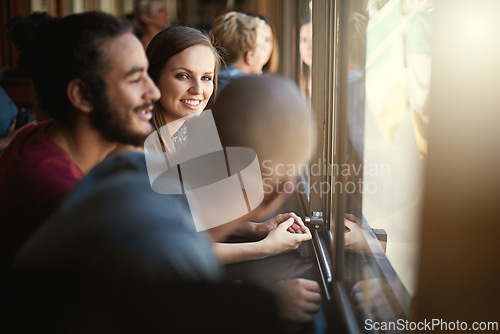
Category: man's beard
[114,124]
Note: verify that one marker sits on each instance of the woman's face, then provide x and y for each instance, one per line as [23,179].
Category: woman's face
[260,56]
[268,41]
[306,43]
[187,82]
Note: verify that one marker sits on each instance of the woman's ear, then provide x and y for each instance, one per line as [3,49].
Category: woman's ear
[248,57]
[79,95]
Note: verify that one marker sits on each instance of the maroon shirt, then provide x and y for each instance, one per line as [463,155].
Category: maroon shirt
[35,175]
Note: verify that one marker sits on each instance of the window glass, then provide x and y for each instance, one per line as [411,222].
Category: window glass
[388,77]
[398,72]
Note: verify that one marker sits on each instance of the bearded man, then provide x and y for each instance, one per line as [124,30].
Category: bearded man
[90,75]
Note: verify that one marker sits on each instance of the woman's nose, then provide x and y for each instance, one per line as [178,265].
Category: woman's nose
[196,87]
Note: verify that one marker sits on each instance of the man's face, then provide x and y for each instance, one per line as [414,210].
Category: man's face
[122,113]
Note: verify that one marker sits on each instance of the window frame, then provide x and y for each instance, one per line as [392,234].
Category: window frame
[329,102]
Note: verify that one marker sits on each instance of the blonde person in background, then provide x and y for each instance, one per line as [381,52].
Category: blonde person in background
[243,39]
[151,17]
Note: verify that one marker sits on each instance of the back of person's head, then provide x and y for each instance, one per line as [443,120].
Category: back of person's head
[269,115]
[167,44]
[63,49]
[237,33]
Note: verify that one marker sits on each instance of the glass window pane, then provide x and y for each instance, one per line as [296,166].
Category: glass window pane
[397,84]
[388,77]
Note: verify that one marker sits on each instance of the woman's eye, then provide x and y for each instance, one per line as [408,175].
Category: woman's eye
[181,76]
[207,78]
[136,80]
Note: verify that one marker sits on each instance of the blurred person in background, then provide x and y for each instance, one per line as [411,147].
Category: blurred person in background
[243,39]
[151,17]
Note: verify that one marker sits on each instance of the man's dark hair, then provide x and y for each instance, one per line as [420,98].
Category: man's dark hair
[69,48]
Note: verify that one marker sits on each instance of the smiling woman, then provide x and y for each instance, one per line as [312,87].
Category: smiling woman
[184,65]
[188,79]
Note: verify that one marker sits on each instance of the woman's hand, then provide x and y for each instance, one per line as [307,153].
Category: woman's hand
[263,229]
[283,233]
[287,236]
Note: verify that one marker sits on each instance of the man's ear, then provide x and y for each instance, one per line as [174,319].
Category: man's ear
[79,95]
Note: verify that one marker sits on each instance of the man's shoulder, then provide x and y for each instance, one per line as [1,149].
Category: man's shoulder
[114,219]
[227,74]
[119,187]
[28,164]
[231,72]
[117,171]
[33,144]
